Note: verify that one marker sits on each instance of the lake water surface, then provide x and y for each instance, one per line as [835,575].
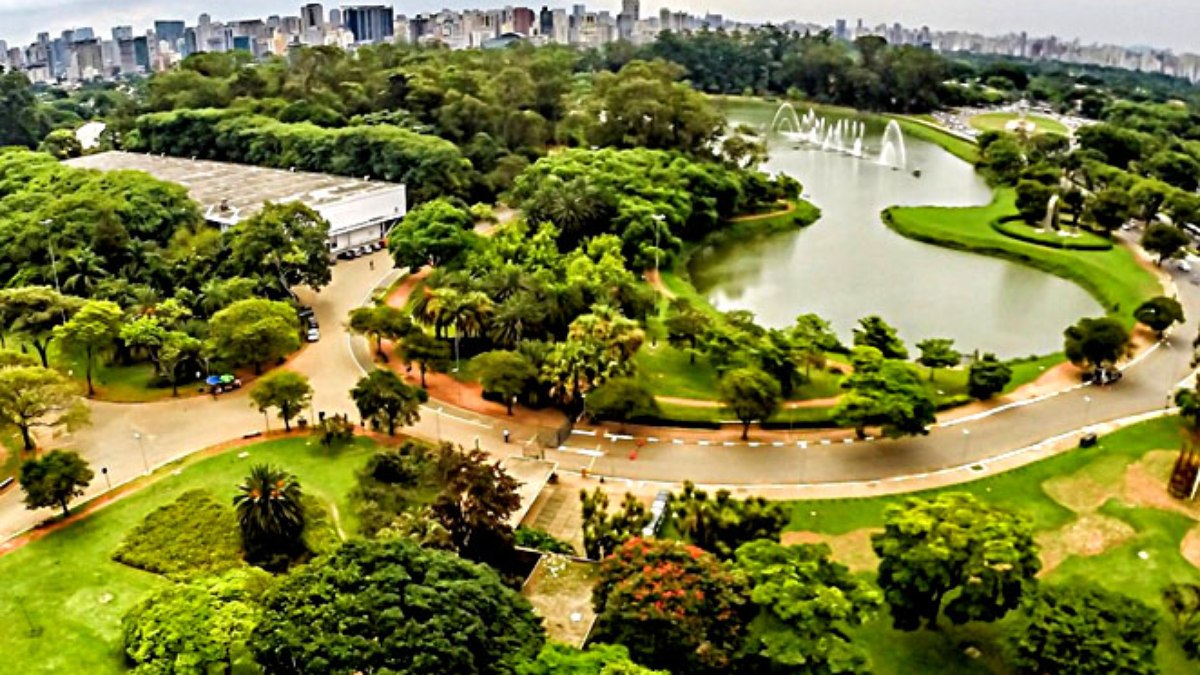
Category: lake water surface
[849,264]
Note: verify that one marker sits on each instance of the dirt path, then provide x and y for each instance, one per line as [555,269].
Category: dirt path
[791,206]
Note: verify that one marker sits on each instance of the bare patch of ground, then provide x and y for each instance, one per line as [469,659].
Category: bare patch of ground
[1088,535]
[1146,484]
[1079,492]
[1189,548]
[852,549]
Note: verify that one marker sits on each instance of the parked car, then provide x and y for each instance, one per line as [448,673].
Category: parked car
[312,321]
[658,513]
[313,335]
[1103,376]
[1184,266]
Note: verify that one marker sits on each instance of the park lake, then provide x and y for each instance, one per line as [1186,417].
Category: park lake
[849,264]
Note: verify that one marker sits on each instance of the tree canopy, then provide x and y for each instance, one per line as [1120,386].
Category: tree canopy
[431,234]
[254,331]
[1096,343]
[385,398]
[672,605]
[200,625]
[55,479]
[400,608]
[751,394]
[886,393]
[287,391]
[1069,629]
[953,555]
[806,603]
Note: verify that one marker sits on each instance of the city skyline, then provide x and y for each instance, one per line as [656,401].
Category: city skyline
[1123,22]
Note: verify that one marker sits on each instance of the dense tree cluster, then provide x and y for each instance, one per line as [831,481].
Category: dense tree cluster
[500,107]
[651,199]
[867,74]
[772,608]
[399,608]
[468,497]
[429,166]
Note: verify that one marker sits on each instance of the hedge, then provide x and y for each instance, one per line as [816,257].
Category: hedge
[1015,227]
[429,166]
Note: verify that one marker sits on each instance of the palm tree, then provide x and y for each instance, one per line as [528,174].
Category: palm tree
[83,269]
[434,307]
[505,282]
[470,312]
[514,319]
[269,511]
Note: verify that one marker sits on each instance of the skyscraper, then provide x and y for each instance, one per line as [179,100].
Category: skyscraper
[122,33]
[312,16]
[170,32]
[632,9]
[369,23]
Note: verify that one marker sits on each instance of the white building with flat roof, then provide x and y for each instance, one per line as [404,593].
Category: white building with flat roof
[358,211]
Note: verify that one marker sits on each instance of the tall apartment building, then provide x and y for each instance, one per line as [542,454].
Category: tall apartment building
[312,16]
[369,23]
[170,32]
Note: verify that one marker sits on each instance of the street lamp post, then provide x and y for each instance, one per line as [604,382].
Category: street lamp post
[966,445]
[658,220]
[1087,411]
[137,435]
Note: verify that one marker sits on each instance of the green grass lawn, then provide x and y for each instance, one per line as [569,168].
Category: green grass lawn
[73,594]
[1113,277]
[927,130]
[996,121]
[1158,534]
[1078,239]
[135,383]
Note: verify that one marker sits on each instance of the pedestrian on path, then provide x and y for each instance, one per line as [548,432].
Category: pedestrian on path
[372,263]
[506,435]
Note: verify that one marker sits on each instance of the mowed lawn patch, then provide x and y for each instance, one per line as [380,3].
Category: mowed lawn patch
[1140,565]
[998,121]
[1114,277]
[64,596]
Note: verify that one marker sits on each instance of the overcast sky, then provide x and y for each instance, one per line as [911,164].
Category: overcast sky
[1160,23]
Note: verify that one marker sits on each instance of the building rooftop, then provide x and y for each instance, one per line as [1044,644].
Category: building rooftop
[532,474]
[229,193]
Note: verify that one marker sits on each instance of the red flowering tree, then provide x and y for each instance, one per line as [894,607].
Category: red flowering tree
[674,606]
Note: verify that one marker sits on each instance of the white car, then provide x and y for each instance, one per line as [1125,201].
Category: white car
[1184,266]
[313,335]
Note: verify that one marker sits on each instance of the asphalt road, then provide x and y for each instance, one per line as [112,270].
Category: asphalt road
[127,438]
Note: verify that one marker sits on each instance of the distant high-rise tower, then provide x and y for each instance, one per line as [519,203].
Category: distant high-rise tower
[170,32]
[122,33]
[369,23]
[631,9]
[335,18]
[312,16]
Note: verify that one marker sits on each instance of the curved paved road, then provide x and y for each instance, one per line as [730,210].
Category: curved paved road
[126,439]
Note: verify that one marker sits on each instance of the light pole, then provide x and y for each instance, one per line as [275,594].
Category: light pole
[658,221]
[966,445]
[54,264]
[137,436]
[1087,411]
[437,416]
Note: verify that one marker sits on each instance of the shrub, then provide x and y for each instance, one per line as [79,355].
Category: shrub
[540,540]
[191,535]
[1013,227]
